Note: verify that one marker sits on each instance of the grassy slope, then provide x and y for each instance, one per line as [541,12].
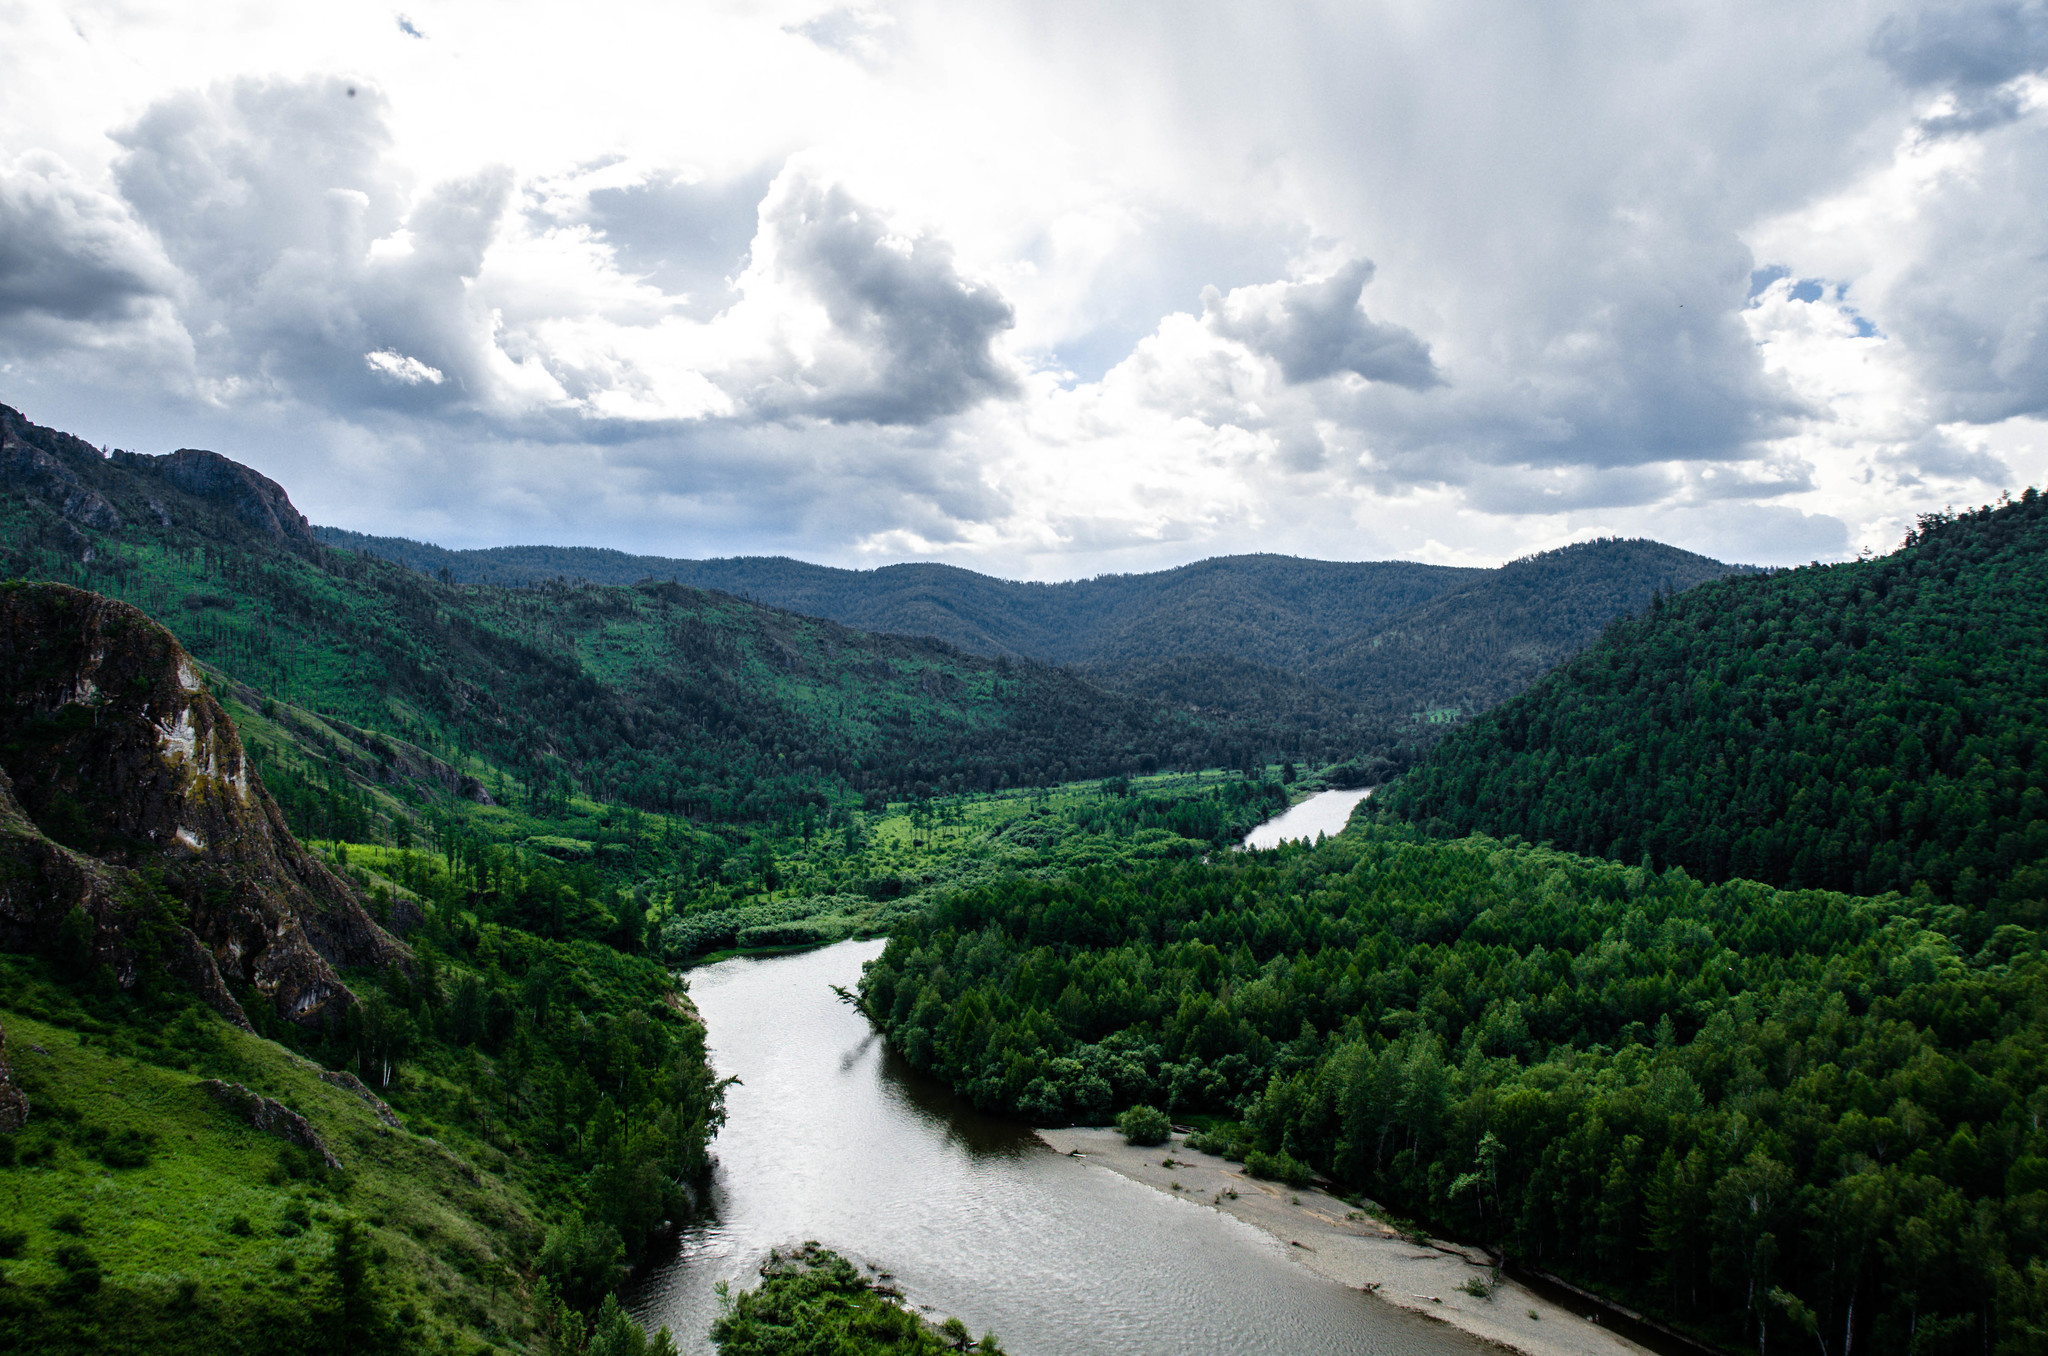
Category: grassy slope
[670,698]
[446,1224]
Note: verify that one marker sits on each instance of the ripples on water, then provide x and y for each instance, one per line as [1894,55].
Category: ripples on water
[831,1137]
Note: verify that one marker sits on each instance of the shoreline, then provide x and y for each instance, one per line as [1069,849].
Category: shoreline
[1342,1243]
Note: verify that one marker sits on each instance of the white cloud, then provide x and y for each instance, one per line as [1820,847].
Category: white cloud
[407,371]
[1044,294]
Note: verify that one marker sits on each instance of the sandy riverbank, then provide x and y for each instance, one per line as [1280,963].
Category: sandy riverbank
[1334,1240]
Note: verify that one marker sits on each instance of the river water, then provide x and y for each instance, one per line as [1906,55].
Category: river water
[1324,812]
[831,1137]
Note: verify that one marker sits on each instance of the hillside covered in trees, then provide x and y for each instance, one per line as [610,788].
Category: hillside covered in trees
[1375,652]
[1802,1106]
[660,696]
[248,1101]
[1877,725]
[1770,1117]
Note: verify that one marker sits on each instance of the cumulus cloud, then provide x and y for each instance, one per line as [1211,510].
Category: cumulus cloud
[907,340]
[1316,329]
[307,248]
[405,370]
[69,251]
[1969,44]
[868,36]
[1042,294]
[689,237]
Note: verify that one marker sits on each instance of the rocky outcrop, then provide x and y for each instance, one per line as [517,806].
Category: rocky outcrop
[129,800]
[349,1082]
[270,1116]
[88,489]
[256,499]
[13,1102]
[27,465]
[57,900]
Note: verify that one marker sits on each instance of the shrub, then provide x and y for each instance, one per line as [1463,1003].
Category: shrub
[12,1241]
[129,1149]
[1144,1125]
[81,1273]
[1225,1141]
[69,1223]
[1282,1166]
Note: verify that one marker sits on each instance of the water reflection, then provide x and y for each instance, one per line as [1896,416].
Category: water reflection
[832,1136]
[1326,812]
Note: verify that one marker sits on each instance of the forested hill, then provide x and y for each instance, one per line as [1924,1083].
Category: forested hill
[662,696]
[1375,647]
[1472,646]
[1864,727]
[1275,610]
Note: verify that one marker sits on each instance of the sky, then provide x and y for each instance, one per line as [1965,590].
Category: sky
[1046,289]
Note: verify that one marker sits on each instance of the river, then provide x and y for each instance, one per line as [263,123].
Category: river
[1324,812]
[832,1137]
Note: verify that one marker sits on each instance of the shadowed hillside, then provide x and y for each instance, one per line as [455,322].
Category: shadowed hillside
[1259,638]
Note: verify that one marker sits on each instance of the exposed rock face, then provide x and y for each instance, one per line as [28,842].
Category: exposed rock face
[13,1103]
[129,789]
[43,884]
[256,499]
[29,462]
[270,1116]
[103,492]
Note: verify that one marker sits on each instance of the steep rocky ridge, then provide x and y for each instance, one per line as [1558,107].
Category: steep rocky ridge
[92,489]
[127,799]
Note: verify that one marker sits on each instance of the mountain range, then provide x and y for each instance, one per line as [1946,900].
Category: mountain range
[1382,639]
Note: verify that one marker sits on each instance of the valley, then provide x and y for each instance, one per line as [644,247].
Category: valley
[385,929]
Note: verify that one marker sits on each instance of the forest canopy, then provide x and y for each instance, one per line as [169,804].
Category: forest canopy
[1739,1107]
[1871,726]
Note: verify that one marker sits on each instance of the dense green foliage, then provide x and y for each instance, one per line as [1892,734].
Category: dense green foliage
[565,1084]
[1743,1108]
[814,1302]
[1477,644]
[659,696]
[1302,656]
[1144,1125]
[1275,610]
[1861,727]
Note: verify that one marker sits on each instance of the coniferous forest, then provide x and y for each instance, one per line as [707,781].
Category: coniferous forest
[1863,727]
[1751,1040]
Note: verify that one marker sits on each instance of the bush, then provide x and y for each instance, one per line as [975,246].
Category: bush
[1227,1140]
[1283,1166]
[81,1274]
[1144,1125]
[129,1149]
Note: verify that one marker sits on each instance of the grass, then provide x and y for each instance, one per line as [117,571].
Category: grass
[222,1229]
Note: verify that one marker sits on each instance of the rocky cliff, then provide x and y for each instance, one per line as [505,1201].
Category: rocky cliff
[88,488]
[132,825]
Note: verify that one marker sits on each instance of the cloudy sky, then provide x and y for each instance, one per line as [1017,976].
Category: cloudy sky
[1046,289]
